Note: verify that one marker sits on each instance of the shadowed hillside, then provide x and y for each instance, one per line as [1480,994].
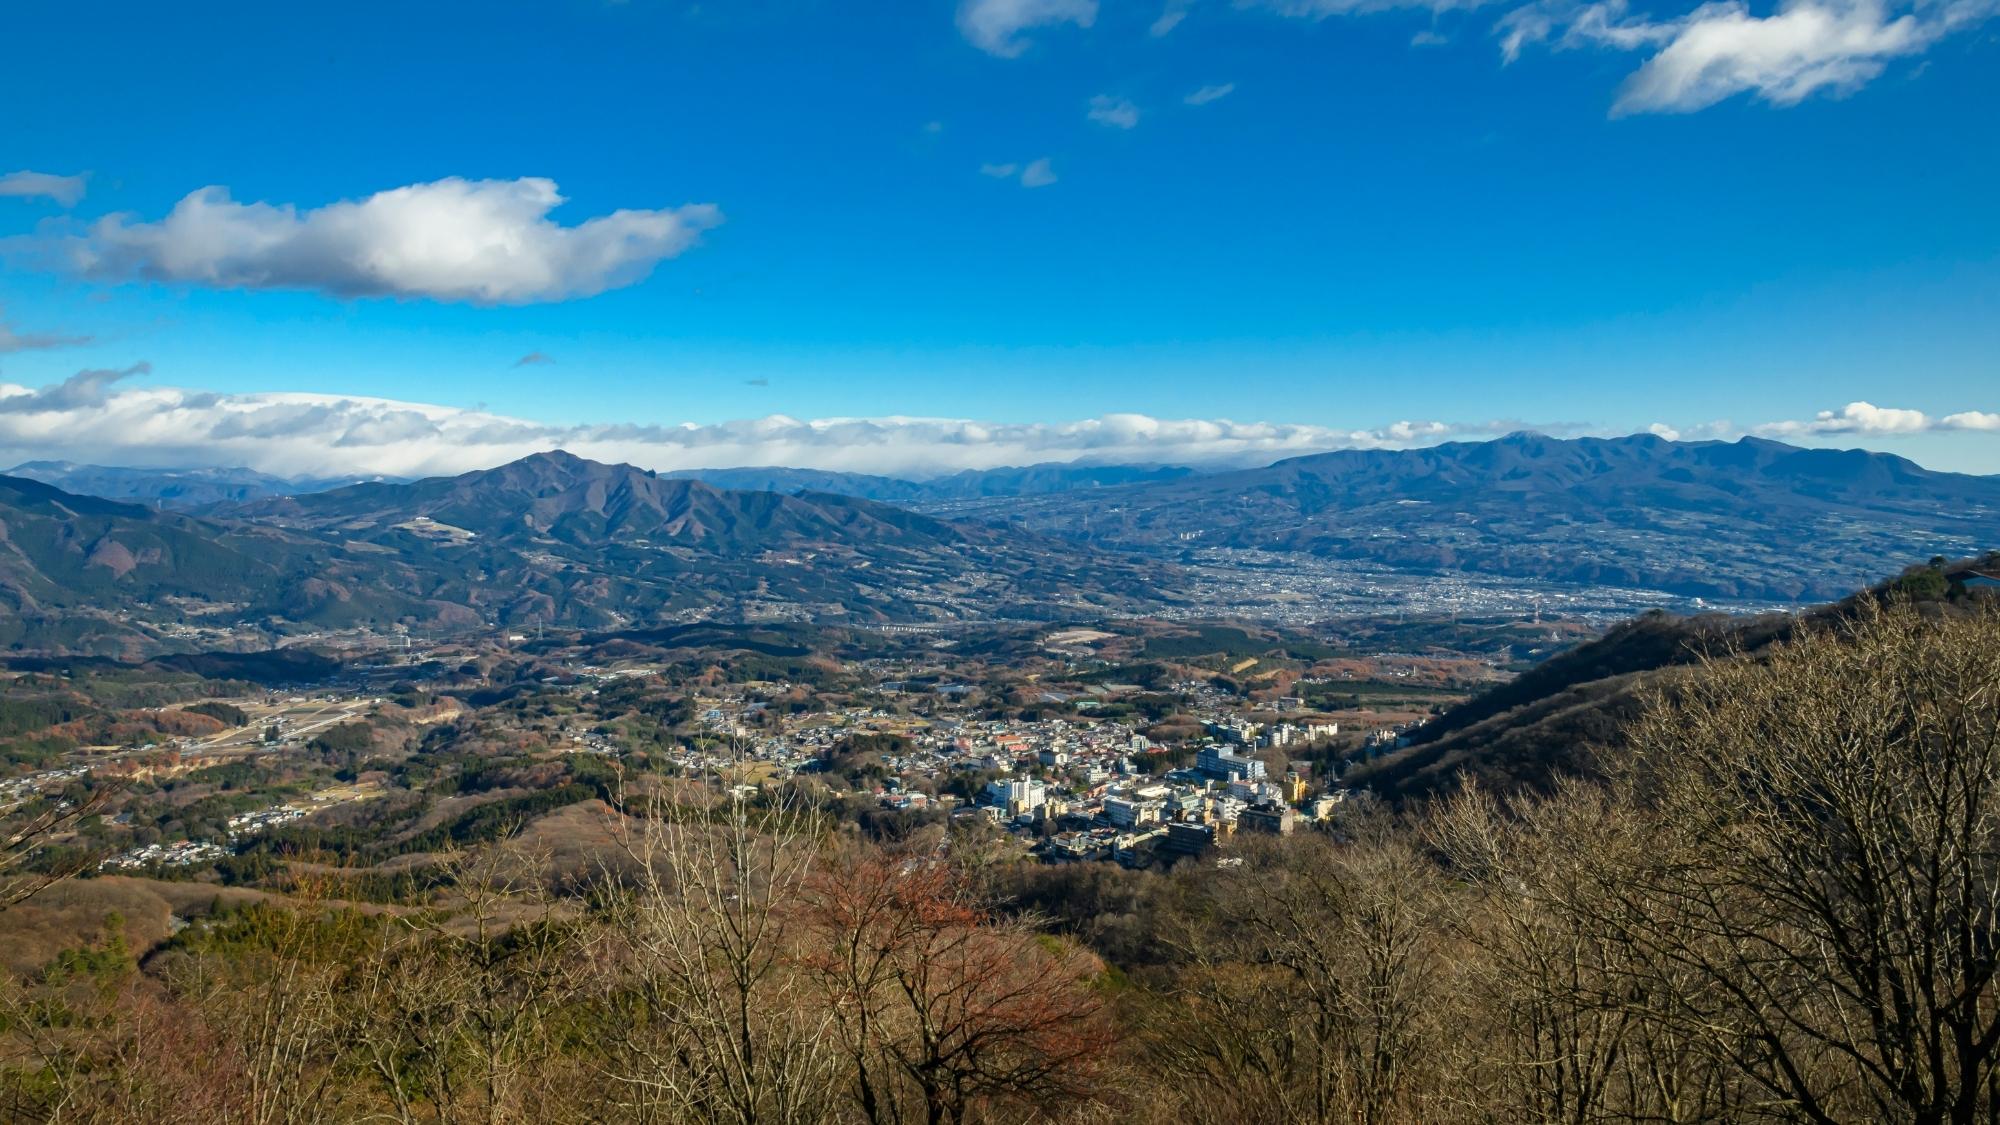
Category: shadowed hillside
[1549,720]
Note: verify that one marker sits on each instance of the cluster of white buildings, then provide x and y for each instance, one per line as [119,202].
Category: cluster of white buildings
[180,853]
[15,790]
[1074,785]
[1241,732]
[1083,806]
[243,824]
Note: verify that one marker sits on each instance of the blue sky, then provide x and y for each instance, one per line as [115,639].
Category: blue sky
[1650,215]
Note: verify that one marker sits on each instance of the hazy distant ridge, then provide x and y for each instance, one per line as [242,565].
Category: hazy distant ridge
[184,489]
[1750,518]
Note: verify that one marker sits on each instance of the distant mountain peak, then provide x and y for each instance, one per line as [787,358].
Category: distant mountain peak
[556,495]
[549,474]
[561,457]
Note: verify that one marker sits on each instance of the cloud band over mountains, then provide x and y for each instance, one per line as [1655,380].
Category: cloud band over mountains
[1868,419]
[101,417]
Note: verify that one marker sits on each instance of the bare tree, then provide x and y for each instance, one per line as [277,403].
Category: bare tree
[1311,986]
[23,835]
[455,1008]
[272,1010]
[1561,1028]
[1825,907]
[409,1020]
[722,1025]
[944,1010]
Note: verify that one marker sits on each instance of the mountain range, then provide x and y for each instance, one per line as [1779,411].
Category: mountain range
[1745,519]
[550,539]
[556,539]
[193,489]
[558,498]
[84,574]
[180,489]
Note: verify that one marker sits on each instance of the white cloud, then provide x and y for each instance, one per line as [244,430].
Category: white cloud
[112,417]
[101,417]
[83,391]
[995,26]
[487,242]
[1854,418]
[1805,47]
[1530,23]
[1605,23]
[1721,49]
[1033,174]
[66,190]
[1410,433]
[1869,419]
[1170,17]
[12,340]
[1720,430]
[1209,94]
[1119,113]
